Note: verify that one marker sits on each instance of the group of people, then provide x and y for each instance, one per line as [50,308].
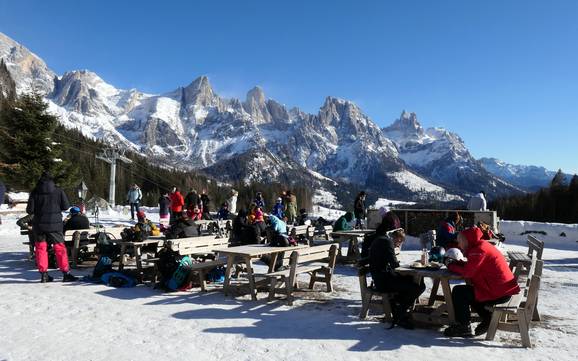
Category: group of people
[489,278]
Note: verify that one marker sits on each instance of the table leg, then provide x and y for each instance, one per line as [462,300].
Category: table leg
[138,260]
[121,259]
[434,292]
[449,301]
[228,271]
[251,278]
[272,262]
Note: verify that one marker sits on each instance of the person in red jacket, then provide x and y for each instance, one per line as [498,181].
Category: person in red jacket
[177,203]
[490,282]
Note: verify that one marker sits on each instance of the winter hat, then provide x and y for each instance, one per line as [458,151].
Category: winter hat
[455,254]
[279,200]
[74,210]
[383,211]
[140,215]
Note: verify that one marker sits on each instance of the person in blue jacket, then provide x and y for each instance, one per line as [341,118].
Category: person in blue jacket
[277,210]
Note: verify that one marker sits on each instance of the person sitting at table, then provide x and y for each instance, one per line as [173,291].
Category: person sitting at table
[182,228]
[223,213]
[242,232]
[343,223]
[382,265]
[257,221]
[76,220]
[392,222]
[490,281]
[447,232]
[195,213]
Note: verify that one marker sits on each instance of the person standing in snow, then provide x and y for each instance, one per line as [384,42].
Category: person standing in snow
[478,202]
[259,201]
[164,204]
[233,201]
[177,203]
[277,210]
[205,208]
[291,208]
[46,203]
[359,209]
[191,199]
[134,197]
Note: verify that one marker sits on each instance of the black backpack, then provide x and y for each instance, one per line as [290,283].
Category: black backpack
[168,263]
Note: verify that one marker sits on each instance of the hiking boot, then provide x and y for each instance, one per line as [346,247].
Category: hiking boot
[482,328]
[459,330]
[45,277]
[67,277]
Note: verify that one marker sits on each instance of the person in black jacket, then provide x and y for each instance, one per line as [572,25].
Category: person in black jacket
[46,203]
[359,209]
[183,227]
[76,221]
[382,264]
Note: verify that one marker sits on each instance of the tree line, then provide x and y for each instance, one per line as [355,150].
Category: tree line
[33,141]
[556,203]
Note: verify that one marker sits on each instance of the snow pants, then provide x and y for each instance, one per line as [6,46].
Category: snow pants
[41,251]
[463,297]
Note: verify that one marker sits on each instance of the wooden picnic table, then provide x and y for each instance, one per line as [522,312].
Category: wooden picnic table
[443,314]
[137,248]
[246,254]
[353,237]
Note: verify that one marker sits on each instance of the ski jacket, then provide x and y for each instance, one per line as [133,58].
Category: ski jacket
[164,204]
[486,269]
[77,221]
[277,210]
[446,235]
[359,208]
[134,195]
[47,202]
[191,200]
[177,201]
[342,223]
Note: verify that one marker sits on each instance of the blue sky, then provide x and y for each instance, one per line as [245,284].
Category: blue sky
[501,74]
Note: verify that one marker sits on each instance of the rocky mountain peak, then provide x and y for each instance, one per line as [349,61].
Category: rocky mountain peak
[199,92]
[7,84]
[256,106]
[407,124]
[256,95]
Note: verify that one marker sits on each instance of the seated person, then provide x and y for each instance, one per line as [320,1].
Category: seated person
[195,213]
[256,219]
[343,223]
[224,213]
[490,282]
[242,232]
[76,220]
[302,218]
[447,232]
[183,227]
[391,222]
[146,226]
[382,265]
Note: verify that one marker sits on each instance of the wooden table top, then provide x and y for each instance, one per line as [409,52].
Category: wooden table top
[442,272]
[253,250]
[353,232]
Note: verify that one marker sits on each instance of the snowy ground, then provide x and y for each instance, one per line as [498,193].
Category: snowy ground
[93,322]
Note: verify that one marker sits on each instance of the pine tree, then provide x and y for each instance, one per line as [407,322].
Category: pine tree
[27,146]
[558,180]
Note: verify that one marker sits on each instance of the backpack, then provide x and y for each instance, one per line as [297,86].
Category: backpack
[180,278]
[104,265]
[167,264]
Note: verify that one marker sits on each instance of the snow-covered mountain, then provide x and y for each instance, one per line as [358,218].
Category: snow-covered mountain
[527,177]
[442,156]
[259,139]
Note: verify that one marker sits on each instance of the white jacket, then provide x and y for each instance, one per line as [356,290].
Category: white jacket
[477,203]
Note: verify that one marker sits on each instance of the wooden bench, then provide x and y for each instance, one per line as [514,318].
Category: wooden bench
[521,259]
[368,293]
[202,246]
[521,263]
[516,314]
[306,232]
[306,260]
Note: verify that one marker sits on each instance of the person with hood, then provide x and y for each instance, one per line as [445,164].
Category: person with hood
[177,203]
[382,264]
[191,199]
[490,281]
[290,207]
[342,223]
[277,210]
[164,204]
[134,197]
[447,231]
[76,220]
[359,209]
[478,202]
[243,232]
[259,200]
[46,203]
[223,213]
[233,201]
